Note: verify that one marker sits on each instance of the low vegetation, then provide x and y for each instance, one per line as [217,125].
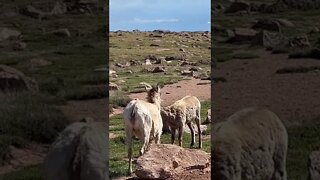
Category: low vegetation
[303,139]
[27,117]
[300,69]
[118,161]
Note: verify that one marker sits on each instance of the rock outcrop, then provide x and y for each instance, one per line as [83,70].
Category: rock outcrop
[166,160]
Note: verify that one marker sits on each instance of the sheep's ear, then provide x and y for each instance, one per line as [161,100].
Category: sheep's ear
[159,86]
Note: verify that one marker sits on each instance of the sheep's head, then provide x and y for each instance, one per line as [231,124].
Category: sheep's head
[154,93]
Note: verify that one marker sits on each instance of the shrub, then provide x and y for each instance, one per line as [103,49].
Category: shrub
[26,115]
[119,99]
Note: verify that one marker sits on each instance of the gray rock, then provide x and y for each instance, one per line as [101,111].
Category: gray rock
[59,8]
[14,80]
[113,86]
[61,32]
[80,152]
[6,33]
[158,69]
[31,11]
[268,24]
[238,6]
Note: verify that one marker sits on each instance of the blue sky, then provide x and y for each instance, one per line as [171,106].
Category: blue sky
[148,15]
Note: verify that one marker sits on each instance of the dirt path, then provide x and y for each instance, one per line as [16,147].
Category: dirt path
[294,97]
[174,92]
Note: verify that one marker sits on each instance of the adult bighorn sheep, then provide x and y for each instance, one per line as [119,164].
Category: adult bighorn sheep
[183,112]
[250,144]
[143,120]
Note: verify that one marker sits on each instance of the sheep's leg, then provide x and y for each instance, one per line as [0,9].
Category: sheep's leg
[158,137]
[199,133]
[279,159]
[180,135]
[145,140]
[173,133]
[129,143]
[198,121]
[193,141]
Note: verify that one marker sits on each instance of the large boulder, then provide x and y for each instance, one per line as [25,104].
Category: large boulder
[270,39]
[302,4]
[33,12]
[267,24]
[243,35]
[14,80]
[166,160]
[80,152]
[238,6]
[299,41]
[6,33]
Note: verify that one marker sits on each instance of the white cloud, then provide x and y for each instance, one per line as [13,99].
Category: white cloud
[209,22]
[138,20]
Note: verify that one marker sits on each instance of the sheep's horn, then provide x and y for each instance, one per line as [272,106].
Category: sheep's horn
[147,85]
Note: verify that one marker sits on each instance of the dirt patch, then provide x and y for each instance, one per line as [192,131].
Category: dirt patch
[294,97]
[33,154]
[95,108]
[116,111]
[192,174]
[174,92]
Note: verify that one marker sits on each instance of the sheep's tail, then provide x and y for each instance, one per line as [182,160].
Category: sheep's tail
[133,113]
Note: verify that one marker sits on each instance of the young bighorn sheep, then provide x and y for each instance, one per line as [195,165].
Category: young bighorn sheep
[183,112]
[250,144]
[143,120]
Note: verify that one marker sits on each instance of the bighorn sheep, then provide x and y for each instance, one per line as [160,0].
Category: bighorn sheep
[250,144]
[143,120]
[183,112]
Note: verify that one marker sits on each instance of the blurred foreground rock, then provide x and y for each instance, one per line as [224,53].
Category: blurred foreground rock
[80,152]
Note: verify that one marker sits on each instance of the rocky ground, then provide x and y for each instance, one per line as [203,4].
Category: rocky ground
[45,66]
[266,56]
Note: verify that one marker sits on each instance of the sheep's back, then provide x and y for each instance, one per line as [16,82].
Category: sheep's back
[251,139]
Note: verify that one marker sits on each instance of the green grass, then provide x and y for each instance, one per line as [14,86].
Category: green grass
[28,117]
[73,59]
[303,140]
[85,92]
[126,48]
[244,55]
[132,82]
[118,163]
[301,69]
[118,99]
[308,53]
[26,173]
